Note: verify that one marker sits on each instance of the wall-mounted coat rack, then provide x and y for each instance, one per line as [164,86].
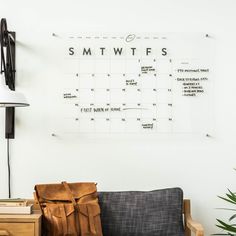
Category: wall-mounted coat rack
[8,98]
[8,67]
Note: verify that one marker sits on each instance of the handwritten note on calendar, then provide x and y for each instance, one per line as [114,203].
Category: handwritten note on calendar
[133,83]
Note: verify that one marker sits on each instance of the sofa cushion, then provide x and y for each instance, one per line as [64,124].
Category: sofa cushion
[138,213]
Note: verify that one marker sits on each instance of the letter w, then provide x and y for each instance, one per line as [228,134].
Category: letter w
[118,50]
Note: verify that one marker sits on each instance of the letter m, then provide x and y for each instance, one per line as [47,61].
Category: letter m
[87,51]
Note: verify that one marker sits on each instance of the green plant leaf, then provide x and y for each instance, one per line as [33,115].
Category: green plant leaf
[224,234]
[231,196]
[231,192]
[226,199]
[222,227]
[232,217]
[228,209]
[226,226]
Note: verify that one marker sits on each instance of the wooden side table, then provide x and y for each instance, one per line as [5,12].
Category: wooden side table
[21,225]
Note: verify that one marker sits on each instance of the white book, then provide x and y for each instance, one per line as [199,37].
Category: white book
[8,204]
[13,202]
[21,210]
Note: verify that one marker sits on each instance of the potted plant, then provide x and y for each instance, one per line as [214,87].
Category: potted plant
[229,227]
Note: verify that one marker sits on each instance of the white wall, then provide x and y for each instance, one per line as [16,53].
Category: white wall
[202,166]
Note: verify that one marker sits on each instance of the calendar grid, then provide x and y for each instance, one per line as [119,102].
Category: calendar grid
[111,84]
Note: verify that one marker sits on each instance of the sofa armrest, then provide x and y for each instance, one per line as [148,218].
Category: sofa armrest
[194,226]
[190,224]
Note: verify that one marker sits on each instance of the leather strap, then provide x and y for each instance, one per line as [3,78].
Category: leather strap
[69,192]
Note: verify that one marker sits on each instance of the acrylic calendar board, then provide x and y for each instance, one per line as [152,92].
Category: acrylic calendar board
[132,83]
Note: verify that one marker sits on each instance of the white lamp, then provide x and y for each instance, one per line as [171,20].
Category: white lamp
[10,98]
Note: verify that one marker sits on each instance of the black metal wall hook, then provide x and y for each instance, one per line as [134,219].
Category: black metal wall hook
[7,41]
[4,31]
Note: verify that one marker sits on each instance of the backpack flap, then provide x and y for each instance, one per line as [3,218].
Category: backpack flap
[57,192]
[60,210]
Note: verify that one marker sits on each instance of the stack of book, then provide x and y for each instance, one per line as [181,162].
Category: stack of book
[15,206]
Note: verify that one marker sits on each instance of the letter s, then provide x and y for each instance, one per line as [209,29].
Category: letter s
[71,51]
[164,52]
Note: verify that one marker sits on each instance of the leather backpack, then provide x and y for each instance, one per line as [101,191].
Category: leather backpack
[69,209]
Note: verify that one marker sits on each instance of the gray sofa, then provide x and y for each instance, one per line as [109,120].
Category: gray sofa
[153,213]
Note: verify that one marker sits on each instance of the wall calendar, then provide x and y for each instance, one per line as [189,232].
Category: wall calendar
[133,83]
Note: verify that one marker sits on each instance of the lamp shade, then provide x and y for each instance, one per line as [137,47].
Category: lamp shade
[10,98]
